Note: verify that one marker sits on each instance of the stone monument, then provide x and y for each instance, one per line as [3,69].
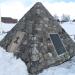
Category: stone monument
[39,40]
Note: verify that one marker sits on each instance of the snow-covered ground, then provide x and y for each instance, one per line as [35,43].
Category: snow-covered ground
[67,68]
[70,29]
[9,65]
[5,27]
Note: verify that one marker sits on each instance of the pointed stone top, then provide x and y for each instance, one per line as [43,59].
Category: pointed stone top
[37,13]
[39,8]
[38,3]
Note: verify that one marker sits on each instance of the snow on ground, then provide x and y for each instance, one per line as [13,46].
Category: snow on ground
[67,68]
[9,65]
[70,29]
[2,36]
[5,27]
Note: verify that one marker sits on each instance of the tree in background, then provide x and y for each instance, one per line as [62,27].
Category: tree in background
[65,18]
[73,20]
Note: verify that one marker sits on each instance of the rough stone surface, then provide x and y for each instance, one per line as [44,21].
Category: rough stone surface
[30,40]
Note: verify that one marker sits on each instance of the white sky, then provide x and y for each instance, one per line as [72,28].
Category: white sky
[17,9]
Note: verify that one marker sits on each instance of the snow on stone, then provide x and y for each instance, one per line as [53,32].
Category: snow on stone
[9,65]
